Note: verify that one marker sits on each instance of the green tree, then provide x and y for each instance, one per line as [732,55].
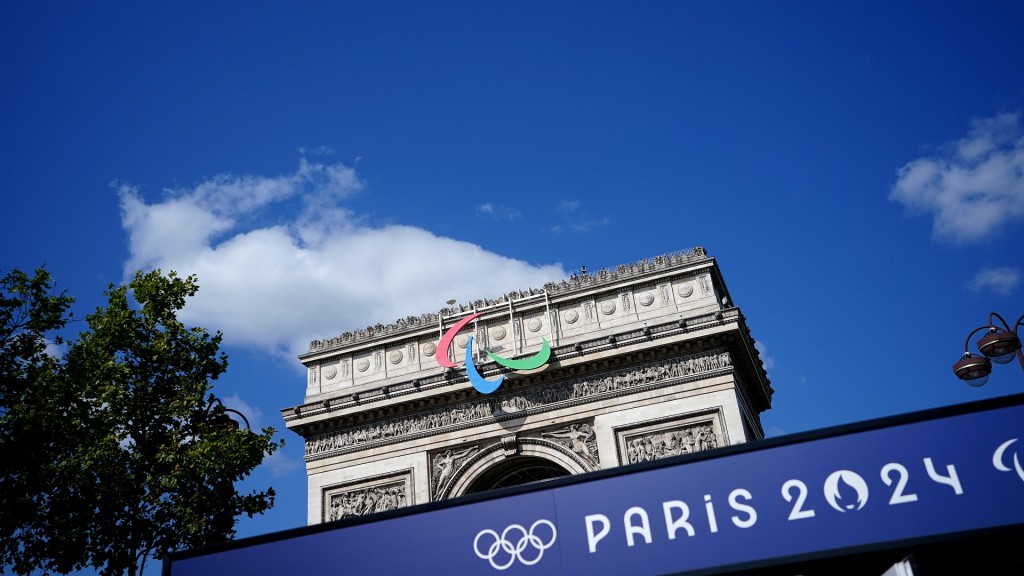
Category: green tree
[145,458]
[36,420]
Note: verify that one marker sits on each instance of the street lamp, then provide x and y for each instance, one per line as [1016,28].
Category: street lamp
[224,410]
[1000,345]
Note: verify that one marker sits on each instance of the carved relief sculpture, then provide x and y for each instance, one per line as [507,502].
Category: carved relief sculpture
[368,500]
[580,439]
[444,466]
[672,442]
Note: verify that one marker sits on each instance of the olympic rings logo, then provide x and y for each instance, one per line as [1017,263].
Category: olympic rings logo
[504,551]
[481,384]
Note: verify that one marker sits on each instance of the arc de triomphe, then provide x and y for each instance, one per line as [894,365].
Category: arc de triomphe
[647,360]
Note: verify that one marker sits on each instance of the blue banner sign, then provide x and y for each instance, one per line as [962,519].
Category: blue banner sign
[901,479]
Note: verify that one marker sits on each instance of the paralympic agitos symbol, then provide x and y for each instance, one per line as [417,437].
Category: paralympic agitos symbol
[481,384]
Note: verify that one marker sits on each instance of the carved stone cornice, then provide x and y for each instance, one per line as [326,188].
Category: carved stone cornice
[516,403]
[575,283]
[367,398]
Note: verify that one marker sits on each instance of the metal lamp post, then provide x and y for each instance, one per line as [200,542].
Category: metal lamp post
[225,410]
[999,345]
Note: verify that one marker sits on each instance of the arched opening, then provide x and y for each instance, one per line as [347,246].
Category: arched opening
[516,471]
[497,466]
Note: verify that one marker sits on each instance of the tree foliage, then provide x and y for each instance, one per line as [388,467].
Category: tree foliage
[117,451]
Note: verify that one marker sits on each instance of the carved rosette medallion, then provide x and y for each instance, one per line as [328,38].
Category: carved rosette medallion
[646,299]
[362,364]
[461,341]
[429,348]
[685,290]
[395,357]
[330,372]
[498,332]
[534,324]
[608,307]
[571,316]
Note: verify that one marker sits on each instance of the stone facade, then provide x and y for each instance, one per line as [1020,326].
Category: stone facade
[649,360]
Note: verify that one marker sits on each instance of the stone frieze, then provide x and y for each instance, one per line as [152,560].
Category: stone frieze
[542,397]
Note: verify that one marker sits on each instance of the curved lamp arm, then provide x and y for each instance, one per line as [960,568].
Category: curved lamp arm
[231,410]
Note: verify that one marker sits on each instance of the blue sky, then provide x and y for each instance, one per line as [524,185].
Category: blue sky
[857,169]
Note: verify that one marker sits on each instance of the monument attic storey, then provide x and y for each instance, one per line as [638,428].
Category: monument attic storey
[641,362]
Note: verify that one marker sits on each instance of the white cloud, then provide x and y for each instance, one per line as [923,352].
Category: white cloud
[567,206]
[281,262]
[252,413]
[321,150]
[280,465]
[489,210]
[762,350]
[55,350]
[975,187]
[573,219]
[999,280]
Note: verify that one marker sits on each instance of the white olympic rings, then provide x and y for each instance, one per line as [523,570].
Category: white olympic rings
[496,551]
